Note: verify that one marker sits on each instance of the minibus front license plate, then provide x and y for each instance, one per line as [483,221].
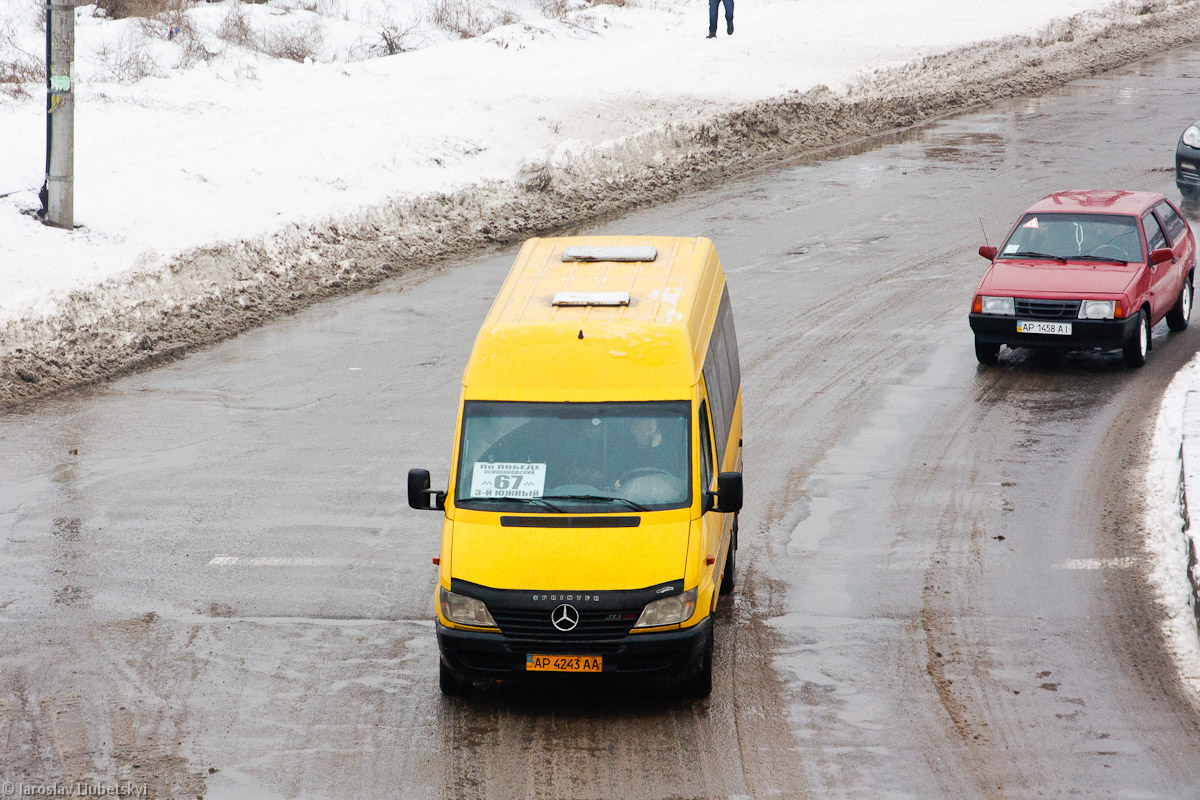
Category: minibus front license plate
[536,663]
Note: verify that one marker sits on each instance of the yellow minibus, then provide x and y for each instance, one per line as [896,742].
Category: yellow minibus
[591,513]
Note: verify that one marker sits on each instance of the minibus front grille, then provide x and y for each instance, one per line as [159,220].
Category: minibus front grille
[536,625]
[564,647]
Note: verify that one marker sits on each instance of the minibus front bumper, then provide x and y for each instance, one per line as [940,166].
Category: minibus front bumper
[477,655]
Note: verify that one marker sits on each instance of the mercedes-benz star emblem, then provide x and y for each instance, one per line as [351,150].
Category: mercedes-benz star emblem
[564,617]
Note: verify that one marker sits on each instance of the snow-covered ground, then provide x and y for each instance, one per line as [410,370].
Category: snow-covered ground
[203,137]
[235,160]
[1171,481]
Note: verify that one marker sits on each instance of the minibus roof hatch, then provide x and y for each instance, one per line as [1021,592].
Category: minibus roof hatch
[610,254]
[591,299]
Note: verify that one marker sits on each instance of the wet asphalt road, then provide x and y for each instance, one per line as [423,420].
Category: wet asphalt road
[210,583]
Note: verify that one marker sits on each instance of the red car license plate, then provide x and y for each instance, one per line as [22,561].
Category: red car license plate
[1054,328]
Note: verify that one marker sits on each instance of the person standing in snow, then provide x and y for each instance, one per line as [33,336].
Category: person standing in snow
[712,17]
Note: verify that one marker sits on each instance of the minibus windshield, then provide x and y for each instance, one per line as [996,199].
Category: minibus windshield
[574,457]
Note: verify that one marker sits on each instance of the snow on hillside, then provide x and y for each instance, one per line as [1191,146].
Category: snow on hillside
[222,120]
[239,160]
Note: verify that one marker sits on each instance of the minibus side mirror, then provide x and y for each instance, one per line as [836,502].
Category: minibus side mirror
[420,495]
[729,492]
[987,252]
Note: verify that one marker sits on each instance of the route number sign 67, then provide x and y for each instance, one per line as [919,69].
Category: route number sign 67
[493,479]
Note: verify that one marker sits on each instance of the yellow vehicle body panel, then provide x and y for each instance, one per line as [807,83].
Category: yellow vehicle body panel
[653,349]
[530,349]
[558,559]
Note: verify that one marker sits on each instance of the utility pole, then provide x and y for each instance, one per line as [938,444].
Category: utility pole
[58,192]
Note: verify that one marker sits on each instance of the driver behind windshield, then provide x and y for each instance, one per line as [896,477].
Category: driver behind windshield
[647,453]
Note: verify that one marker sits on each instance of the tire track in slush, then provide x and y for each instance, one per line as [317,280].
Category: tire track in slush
[555,741]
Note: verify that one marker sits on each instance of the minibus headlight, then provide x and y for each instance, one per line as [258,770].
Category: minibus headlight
[464,610]
[999,305]
[668,611]
[1097,309]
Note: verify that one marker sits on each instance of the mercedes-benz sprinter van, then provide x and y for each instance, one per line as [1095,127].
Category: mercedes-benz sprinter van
[591,513]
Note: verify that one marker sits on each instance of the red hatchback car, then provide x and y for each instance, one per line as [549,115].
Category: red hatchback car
[1083,270]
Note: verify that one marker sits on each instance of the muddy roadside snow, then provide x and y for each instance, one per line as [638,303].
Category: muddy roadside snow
[151,314]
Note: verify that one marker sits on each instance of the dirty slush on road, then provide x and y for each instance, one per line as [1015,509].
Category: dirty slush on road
[145,317]
[209,294]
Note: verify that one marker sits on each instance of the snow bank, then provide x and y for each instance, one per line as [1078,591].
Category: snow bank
[163,301]
[1172,479]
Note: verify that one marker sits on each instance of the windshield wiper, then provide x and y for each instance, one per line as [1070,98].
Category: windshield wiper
[1031,254]
[1105,259]
[622,500]
[533,501]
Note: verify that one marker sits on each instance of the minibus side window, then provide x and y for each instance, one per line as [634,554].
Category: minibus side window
[729,334]
[706,466]
[722,373]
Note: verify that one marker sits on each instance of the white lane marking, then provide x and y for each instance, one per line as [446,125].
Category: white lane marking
[1098,563]
[272,561]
